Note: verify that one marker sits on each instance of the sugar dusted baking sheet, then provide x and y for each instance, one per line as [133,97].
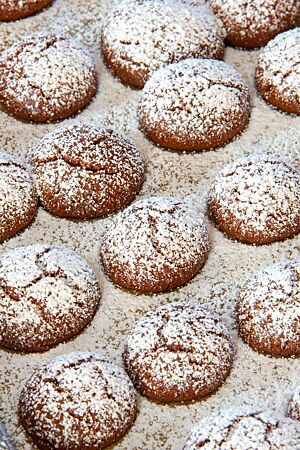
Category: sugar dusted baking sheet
[255,379]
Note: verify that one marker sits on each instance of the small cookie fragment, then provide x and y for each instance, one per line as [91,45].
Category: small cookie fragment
[294,405]
[86,172]
[18,198]
[77,401]
[244,429]
[48,294]
[278,72]
[256,200]
[18,9]
[253,23]
[179,352]
[193,105]
[140,36]
[268,310]
[46,77]
[155,245]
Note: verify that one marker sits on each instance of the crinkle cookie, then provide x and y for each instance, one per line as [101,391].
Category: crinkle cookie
[17,9]
[294,405]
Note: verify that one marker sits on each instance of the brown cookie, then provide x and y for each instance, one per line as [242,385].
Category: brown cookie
[46,77]
[156,244]
[278,72]
[140,36]
[193,105]
[179,352]
[253,23]
[18,198]
[48,294]
[294,405]
[78,401]
[17,9]
[245,429]
[86,172]
[256,200]
[268,310]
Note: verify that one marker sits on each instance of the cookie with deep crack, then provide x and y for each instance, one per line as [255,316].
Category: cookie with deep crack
[154,245]
[48,294]
[46,77]
[86,172]
[77,401]
[18,9]
[179,352]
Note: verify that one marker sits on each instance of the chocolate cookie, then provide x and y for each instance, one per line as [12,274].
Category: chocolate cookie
[268,310]
[140,36]
[18,198]
[17,9]
[46,77]
[294,405]
[256,200]
[196,104]
[179,352]
[156,244]
[77,401]
[252,23]
[86,172]
[278,72]
[48,294]
[244,429]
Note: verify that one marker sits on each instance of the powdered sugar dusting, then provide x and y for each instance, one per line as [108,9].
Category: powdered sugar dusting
[294,405]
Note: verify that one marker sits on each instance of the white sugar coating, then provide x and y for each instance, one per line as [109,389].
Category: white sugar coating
[269,308]
[78,400]
[47,294]
[244,429]
[180,350]
[144,35]
[294,405]
[195,100]
[259,195]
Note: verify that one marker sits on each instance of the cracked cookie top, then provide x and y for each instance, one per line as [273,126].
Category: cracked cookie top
[140,36]
[48,294]
[256,200]
[79,400]
[179,352]
[17,9]
[86,172]
[243,429]
[195,104]
[156,244]
[45,77]
[294,405]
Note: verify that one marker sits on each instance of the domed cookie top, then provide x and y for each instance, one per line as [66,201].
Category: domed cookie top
[196,104]
[48,294]
[268,310]
[77,401]
[256,200]
[278,72]
[294,405]
[46,77]
[17,9]
[154,245]
[86,172]
[140,36]
[18,198]
[244,429]
[179,352]
[252,23]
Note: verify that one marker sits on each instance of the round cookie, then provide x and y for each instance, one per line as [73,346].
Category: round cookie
[46,77]
[77,401]
[244,429]
[86,172]
[193,105]
[252,23]
[48,294]
[294,405]
[256,200]
[278,72]
[140,36]
[17,9]
[156,244]
[268,310]
[18,198]
[179,352]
